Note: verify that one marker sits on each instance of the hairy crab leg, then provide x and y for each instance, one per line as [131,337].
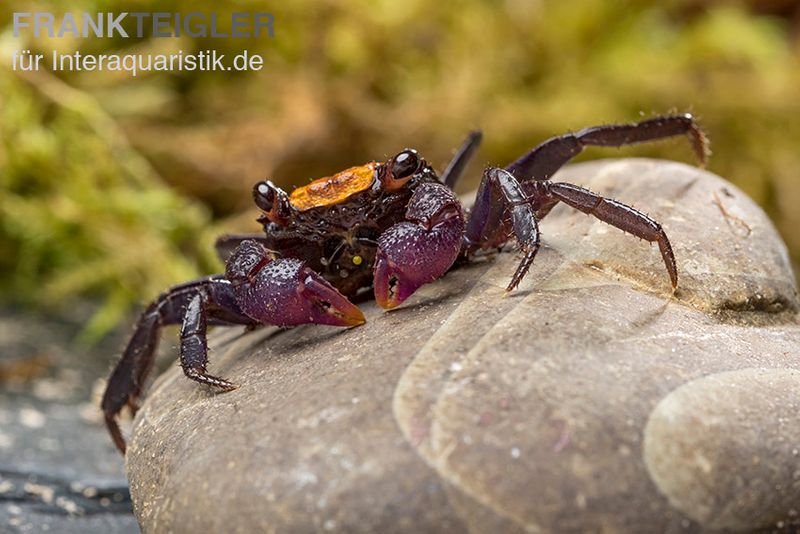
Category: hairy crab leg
[501,196]
[491,220]
[544,160]
[194,347]
[523,219]
[618,215]
[462,157]
[128,378]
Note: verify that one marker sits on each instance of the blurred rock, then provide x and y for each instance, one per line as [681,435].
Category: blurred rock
[589,399]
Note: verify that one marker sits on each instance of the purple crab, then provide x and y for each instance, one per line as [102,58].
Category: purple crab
[393,227]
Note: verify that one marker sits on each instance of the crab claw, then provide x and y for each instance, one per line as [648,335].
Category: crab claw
[410,256]
[326,305]
[284,291]
[420,249]
[392,283]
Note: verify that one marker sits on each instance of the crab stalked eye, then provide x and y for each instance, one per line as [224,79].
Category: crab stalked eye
[400,169]
[264,195]
[273,201]
[405,164]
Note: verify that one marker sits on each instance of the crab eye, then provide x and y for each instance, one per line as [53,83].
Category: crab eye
[264,195]
[272,201]
[400,169]
[405,164]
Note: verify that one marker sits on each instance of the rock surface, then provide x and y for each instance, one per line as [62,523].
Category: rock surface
[590,399]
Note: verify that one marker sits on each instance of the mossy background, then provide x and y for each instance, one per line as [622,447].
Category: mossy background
[114,187]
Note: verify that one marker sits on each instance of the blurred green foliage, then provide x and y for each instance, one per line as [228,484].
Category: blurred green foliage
[114,187]
[82,212]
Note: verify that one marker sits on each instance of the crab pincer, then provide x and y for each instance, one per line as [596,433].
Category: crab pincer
[284,291]
[420,249]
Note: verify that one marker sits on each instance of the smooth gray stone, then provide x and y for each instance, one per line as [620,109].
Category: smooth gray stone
[591,399]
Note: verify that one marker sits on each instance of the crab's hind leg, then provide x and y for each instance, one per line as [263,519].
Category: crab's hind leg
[544,160]
[462,157]
[420,249]
[126,383]
[616,214]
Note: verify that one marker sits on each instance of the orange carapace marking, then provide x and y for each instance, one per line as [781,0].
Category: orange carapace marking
[333,189]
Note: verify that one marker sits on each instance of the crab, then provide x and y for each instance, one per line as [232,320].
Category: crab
[391,226]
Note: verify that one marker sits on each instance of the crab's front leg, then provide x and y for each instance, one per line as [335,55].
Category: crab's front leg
[500,201]
[181,304]
[421,248]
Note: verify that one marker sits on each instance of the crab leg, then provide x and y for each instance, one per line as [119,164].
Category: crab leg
[496,206]
[420,249]
[523,219]
[257,288]
[619,215]
[128,378]
[500,193]
[459,162]
[544,160]
[194,348]
[525,211]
